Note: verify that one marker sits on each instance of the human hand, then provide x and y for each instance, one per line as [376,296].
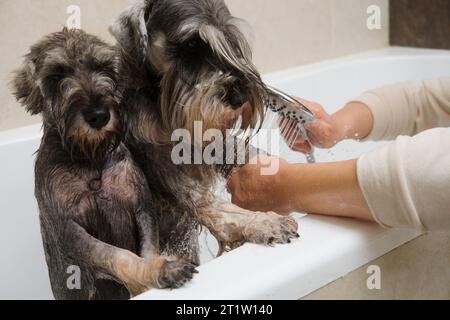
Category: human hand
[252,190]
[325,132]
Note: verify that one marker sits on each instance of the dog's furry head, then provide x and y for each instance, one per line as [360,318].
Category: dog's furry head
[201,59]
[70,77]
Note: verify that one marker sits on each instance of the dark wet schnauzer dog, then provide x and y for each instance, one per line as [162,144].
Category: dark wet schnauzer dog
[184,61]
[94,201]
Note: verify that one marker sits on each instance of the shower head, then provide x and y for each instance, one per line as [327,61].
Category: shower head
[297,115]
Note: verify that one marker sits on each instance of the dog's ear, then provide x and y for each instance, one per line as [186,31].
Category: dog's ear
[26,89]
[130,29]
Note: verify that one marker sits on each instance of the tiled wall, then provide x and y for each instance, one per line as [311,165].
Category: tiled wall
[287,33]
[295,32]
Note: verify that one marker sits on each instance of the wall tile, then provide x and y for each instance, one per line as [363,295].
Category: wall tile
[287,32]
[350,32]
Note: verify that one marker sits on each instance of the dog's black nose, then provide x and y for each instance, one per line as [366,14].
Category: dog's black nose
[236,97]
[97,118]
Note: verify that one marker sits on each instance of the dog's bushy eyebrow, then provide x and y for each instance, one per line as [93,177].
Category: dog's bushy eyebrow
[58,68]
[100,59]
[55,56]
[100,64]
[188,29]
[193,39]
[101,54]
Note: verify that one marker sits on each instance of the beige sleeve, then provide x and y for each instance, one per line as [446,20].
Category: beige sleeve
[407,182]
[408,108]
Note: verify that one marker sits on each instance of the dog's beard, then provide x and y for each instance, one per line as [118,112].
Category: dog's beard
[78,138]
[182,104]
[91,144]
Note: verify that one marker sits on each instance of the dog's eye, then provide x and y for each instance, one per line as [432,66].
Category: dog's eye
[58,73]
[50,84]
[56,78]
[194,44]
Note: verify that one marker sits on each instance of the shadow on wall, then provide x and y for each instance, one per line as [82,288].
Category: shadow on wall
[416,23]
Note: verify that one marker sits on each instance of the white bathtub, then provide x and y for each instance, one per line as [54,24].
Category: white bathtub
[329,248]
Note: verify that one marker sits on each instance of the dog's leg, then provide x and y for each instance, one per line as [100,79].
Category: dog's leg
[148,234]
[169,276]
[136,273]
[232,226]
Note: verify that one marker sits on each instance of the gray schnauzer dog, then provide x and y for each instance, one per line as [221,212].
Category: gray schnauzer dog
[95,204]
[184,61]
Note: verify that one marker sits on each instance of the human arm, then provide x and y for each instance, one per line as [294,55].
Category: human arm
[354,121]
[404,184]
[405,108]
[328,189]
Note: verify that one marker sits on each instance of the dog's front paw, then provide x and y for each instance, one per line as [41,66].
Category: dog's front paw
[175,272]
[269,228]
[162,272]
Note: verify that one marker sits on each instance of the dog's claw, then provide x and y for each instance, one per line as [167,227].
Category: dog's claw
[270,229]
[176,272]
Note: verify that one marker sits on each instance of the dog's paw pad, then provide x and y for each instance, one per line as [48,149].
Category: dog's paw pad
[175,273]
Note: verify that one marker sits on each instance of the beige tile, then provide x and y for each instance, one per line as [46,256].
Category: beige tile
[350,32]
[287,32]
[417,270]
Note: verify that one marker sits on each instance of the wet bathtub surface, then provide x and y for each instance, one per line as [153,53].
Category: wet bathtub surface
[328,249]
